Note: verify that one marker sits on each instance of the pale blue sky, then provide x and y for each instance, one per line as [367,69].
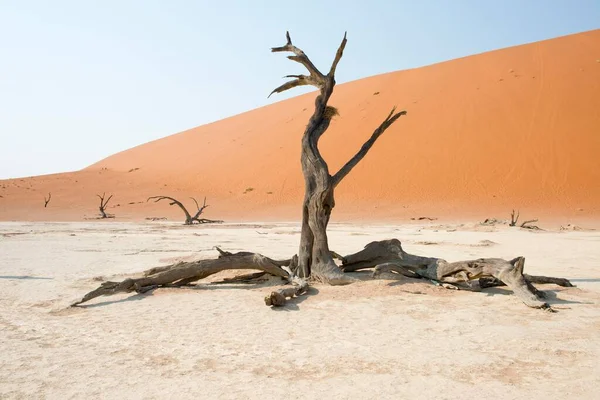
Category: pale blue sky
[81,80]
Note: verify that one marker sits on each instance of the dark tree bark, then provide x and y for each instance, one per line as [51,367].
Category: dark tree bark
[314,258]
[189,219]
[47,200]
[388,255]
[526,224]
[185,273]
[103,204]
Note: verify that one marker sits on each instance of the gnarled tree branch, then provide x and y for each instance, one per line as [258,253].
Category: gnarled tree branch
[317,77]
[185,273]
[391,118]
[188,217]
[388,255]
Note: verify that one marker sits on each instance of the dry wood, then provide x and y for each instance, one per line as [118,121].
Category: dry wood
[527,224]
[184,273]
[388,255]
[315,259]
[279,297]
[103,204]
[514,219]
[47,200]
[189,219]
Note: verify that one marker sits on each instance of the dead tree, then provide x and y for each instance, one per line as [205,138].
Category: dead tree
[388,256]
[47,200]
[185,273]
[513,218]
[526,224]
[314,257]
[189,219]
[103,204]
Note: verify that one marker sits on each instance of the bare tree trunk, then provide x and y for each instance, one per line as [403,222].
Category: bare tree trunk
[314,256]
[103,204]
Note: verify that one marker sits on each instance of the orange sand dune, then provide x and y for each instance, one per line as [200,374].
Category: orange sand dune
[513,128]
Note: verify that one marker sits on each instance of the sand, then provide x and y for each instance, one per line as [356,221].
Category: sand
[374,339]
[513,128]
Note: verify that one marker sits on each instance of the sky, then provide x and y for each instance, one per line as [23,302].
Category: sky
[83,79]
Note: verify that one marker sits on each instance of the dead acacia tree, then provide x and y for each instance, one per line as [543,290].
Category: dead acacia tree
[314,257]
[47,200]
[189,219]
[388,256]
[103,204]
[514,219]
[315,260]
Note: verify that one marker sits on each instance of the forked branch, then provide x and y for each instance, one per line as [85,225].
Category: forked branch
[103,204]
[200,209]
[300,57]
[514,219]
[315,77]
[47,200]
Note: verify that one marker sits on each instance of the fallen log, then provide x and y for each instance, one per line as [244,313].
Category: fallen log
[279,297]
[185,273]
[388,255]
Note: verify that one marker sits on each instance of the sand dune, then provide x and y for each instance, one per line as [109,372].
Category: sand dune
[513,128]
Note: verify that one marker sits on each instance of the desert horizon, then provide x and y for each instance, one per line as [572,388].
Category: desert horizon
[514,128]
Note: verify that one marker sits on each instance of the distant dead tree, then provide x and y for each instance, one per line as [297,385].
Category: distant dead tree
[314,257]
[189,219]
[47,200]
[103,204]
[526,224]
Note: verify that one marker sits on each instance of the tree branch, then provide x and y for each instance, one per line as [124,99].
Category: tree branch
[338,56]
[107,200]
[46,201]
[184,273]
[316,78]
[301,81]
[391,118]
[188,217]
[200,210]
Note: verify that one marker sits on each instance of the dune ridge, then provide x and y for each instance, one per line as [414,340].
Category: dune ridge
[511,128]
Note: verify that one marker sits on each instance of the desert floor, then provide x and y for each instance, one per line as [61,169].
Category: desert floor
[372,339]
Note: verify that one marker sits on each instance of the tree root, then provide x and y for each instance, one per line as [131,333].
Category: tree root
[388,256]
[184,273]
[381,256]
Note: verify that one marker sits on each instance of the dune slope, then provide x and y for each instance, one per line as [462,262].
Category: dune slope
[513,128]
